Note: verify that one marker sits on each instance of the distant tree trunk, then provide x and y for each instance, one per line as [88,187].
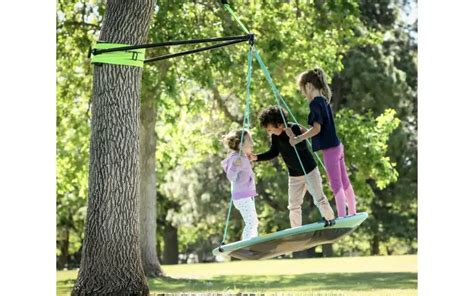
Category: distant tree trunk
[337,87]
[158,252]
[309,253]
[64,249]
[376,214]
[150,263]
[111,263]
[328,251]
[374,245]
[170,253]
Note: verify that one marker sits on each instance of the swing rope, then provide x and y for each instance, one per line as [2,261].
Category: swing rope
[245,125]
[234,15]
[274,89]
[278,98]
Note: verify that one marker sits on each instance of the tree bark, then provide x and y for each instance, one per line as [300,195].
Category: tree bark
[170,253]
[111,263]
[150,263]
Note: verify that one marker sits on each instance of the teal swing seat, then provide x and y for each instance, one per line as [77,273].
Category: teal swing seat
[291,240]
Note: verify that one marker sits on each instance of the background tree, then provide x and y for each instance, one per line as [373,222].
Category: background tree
[376,77]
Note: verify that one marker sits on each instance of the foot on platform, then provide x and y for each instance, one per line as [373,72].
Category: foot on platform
[328,223]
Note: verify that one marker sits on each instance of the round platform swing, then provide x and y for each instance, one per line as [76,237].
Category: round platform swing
[292,239]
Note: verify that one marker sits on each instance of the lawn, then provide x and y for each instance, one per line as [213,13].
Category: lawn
[380,275]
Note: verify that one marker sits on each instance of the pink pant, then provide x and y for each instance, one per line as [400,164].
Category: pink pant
[339,181]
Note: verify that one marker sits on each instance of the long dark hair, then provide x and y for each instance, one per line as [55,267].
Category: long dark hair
[317,78]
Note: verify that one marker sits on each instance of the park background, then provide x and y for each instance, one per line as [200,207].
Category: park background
[457,59]
[367,48]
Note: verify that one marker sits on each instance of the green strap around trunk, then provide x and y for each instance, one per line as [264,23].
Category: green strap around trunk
[134,57]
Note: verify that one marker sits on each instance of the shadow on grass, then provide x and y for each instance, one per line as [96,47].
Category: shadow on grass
[306,282]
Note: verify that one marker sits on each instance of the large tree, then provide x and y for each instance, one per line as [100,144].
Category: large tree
[111,263]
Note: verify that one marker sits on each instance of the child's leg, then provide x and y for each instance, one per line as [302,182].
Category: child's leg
[296,191]
[331,158]
[346,183]
[315,188]
[253,219]
[246,207]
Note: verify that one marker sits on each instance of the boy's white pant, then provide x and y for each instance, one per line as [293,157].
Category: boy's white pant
[246,207]
[297,187]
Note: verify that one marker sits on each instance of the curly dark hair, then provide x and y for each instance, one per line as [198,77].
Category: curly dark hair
[272,115]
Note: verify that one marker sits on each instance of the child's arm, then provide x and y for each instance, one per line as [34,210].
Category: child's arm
[233,170]
[315,119]
[297,128]
[302,129]
[270,154]
[308,134]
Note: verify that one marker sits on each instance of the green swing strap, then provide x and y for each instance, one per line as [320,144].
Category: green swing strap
[135,57]
[245,125]
[232,13]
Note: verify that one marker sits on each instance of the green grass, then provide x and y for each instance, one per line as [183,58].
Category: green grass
[387,275]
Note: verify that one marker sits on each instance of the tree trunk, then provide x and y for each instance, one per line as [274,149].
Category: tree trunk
[336,87]
[328,251]
[170,253]
[150,263]
[111,263]
[64,248]
[375,245]
[308,253]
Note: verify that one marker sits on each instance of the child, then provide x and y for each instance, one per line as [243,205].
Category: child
[239,172]
[314,87]
[271,119]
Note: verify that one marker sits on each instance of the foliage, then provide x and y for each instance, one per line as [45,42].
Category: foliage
[77,24]
[376,77]
[360,44]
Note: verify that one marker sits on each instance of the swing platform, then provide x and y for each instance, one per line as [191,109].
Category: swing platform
[291,239]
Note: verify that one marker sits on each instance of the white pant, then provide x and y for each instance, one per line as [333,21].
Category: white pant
[246,207]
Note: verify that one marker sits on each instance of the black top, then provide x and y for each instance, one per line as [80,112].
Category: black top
[320,112]
[281,144]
